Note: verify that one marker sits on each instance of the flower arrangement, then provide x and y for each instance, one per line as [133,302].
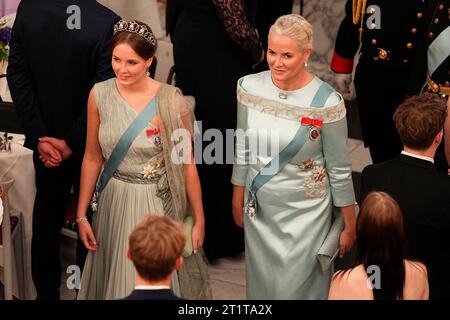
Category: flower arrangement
[5,37]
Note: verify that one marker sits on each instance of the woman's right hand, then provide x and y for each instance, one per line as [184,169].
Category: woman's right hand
[237,205]
[87,235]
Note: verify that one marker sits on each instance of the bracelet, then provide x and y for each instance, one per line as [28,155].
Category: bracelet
[81,219]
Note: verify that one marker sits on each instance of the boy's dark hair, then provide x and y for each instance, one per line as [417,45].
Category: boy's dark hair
[155,245]
[419,119]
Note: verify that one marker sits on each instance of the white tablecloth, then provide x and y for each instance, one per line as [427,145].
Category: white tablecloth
[8,21]
[18,165]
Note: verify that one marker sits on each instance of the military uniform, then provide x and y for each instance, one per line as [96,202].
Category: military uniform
[384,75]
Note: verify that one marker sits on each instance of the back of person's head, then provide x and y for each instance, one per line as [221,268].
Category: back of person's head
[295,27]
[155,245]
[419,119]
[136,34]
[381,243]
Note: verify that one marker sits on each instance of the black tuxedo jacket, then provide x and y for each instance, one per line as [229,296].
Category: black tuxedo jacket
[423,194]
[160,294]
[52,65]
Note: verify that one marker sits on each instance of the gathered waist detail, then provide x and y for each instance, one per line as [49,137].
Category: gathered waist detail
[134,177]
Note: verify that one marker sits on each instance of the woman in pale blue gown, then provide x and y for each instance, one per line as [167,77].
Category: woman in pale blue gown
[286,208]
[149,179]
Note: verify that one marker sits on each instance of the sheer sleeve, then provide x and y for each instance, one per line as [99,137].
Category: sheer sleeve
[239,29]
[185,106]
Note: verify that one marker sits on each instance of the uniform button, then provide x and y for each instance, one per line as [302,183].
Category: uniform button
[414,30]
[383,54]
[409,45]
[436,21]
[405,61]
[434,87]
[430,35]
[374,42]
[419,15]
[373,25]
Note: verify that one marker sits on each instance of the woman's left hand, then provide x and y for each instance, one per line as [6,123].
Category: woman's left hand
[346,240]
[198,235]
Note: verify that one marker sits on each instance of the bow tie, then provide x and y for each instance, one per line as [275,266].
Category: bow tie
[151,132]
[311,122]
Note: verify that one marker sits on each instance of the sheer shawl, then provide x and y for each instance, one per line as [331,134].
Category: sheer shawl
[177,112]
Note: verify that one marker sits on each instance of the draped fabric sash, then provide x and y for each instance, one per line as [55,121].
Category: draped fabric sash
[438,51]
[123,145]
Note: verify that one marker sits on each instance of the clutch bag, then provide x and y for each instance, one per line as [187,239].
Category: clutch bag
[188,223]
[330,246]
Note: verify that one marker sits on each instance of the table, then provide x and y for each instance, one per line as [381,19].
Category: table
[18,165]
[6,21]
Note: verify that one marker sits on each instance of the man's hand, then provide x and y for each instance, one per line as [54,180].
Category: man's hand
[49,155]
[343,83]
[60,145]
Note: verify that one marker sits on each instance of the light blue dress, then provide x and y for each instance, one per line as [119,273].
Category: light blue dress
[294,208]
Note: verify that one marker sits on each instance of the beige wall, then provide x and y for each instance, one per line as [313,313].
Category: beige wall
[147,11]
[325,16]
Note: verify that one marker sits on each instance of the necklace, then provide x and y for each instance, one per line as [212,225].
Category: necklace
[359,10]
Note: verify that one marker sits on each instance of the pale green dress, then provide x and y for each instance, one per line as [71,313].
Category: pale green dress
[125,201]
[294,207]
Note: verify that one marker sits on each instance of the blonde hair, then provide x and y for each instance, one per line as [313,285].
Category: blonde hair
[295,27]
[155,245]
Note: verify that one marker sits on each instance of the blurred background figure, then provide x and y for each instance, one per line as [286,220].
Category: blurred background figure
[381,255]
[50,86]
[214,44]
[155,248]
[447,135]
[433,61]
[422,192]
[269,11]
[388,33]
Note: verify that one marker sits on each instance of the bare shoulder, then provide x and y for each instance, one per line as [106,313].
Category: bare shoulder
[416,268]
[350,285]
[416,281]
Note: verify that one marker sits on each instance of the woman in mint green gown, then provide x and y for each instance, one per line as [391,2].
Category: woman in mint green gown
[291,212]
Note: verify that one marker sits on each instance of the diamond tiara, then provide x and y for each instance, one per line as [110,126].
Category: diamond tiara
[137,28]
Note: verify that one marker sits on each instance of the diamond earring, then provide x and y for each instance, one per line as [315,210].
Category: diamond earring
[306,64]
